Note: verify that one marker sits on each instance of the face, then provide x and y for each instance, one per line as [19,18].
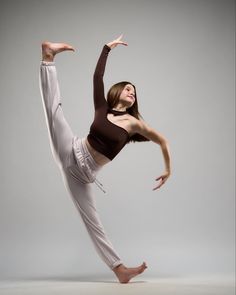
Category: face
[127,96]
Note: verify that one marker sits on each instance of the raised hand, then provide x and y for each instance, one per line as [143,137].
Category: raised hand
[116,42]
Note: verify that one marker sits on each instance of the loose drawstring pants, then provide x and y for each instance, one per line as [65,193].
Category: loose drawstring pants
[76,164]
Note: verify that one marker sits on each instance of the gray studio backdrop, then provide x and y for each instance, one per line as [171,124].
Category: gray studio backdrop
[181,59]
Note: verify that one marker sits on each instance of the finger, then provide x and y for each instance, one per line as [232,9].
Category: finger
[123,43]
[161,183]
[120,43]
[157,187]
[159,177]
[120,37]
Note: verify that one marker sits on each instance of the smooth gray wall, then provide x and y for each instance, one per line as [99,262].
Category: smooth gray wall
[181,59]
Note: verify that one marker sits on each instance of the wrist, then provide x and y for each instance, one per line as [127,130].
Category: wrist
[108,46]
[168,171]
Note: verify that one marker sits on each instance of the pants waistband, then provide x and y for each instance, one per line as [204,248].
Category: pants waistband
[86,162]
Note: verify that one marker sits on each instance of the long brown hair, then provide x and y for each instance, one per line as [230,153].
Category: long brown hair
[113,97]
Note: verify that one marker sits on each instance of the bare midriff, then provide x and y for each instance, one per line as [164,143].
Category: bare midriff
[99,158]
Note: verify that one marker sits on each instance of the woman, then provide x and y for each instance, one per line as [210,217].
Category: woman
[116,122]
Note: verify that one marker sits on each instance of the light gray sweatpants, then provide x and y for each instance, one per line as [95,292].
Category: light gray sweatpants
[77,166]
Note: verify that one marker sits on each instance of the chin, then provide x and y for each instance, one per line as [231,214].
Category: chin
[131,104]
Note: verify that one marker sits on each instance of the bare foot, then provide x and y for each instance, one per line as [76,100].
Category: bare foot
[49,49]
[125,274]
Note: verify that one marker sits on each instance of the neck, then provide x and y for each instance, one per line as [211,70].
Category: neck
[121,106]
[118,112]
[122,109]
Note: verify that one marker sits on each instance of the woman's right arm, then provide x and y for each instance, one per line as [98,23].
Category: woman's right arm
[142,128]
[98,85]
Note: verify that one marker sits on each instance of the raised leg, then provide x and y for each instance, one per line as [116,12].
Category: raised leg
[60,133]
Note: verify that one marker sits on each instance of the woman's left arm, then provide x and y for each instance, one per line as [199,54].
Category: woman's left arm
[148,132]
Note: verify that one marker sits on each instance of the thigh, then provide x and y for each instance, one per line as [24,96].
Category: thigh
[83,197]
[62,137]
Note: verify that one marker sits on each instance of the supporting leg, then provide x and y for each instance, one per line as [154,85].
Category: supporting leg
[84,200]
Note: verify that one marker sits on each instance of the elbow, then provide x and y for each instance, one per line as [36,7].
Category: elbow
[164,142]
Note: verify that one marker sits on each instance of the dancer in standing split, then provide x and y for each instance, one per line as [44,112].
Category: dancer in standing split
[116,122]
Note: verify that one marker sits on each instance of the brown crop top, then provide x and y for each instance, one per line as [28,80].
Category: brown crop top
[104,136]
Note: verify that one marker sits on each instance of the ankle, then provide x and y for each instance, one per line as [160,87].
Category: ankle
[47,53]
[47,57]
[119,268]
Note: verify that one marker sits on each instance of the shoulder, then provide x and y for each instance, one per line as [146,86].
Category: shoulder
[138,125]
[136,122]
[133,121]
[139,129]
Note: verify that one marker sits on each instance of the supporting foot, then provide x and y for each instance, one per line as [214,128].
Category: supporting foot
[125,274]
[49,49]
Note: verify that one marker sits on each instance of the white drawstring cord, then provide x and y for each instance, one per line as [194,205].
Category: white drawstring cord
[99,184]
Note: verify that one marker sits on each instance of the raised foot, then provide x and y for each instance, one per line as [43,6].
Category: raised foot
[125,274]
[49,49]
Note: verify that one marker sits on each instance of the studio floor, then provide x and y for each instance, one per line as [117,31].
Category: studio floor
[157,286]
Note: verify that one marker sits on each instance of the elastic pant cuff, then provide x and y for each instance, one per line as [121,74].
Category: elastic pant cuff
[47,63]
[116,264]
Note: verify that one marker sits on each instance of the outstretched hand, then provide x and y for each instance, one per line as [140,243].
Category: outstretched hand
[162,179]
[116,42]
